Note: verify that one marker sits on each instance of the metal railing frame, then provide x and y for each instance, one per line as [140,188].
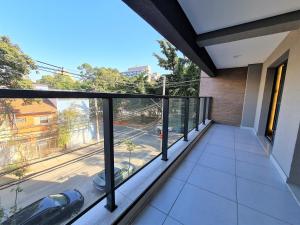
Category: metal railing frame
[108,125]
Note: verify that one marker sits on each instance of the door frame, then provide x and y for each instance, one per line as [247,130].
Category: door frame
[266,95]
[279,98]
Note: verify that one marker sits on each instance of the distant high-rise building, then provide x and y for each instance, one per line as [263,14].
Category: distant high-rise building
[133,71]
[146,70]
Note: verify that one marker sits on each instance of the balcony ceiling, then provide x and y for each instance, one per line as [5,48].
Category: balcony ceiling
[210,15]
[219,34]
[244,52]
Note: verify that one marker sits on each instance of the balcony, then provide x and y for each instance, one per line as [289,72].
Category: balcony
[65,144]
[175,159]
[227,178]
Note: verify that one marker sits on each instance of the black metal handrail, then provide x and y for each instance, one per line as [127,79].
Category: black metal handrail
[27,93]
[108,123]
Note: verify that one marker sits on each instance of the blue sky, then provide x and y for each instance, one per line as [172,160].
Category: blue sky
[71,32]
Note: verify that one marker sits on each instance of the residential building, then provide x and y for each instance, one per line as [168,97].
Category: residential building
[146,70]
[233,156]
[137,70]
[30,126]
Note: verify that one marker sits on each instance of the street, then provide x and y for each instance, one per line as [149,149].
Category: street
[76,169]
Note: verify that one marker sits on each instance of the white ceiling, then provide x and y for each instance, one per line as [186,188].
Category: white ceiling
[209,15]
[244,52]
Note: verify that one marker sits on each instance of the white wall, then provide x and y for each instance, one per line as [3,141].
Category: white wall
[289,116]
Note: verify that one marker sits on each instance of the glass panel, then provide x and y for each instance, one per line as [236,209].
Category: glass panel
[176,120]
[201,110]
[48,147]
[192,113]
[137,133]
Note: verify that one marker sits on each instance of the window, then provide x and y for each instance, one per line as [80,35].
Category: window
[59,199]
[44,120]
[21,120]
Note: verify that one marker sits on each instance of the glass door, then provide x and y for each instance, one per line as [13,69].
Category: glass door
[275,101]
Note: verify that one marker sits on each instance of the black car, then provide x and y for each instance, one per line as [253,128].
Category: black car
[49,210]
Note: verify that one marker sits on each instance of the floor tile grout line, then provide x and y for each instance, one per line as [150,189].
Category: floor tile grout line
[213,193]
[254,164]
[175,219]
[236,187]
[185,182]
[216,154]
[239,177]
[219,170]
[257,182]
[259,166]
[265,214]
[260,153]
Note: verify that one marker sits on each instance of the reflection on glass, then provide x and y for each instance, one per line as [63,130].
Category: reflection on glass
[176,119]
[192,113]
[137,134]
[50,150]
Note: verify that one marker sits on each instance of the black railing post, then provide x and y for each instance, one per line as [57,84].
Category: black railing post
[109,153]
[197,114]
[186,119]
[204,110]
[209,107]
[165,129]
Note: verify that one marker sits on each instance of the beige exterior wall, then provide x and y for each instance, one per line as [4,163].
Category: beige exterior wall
[289,116]
[251,95]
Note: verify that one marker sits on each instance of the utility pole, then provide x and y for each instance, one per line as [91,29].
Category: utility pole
[97,120]
[199,83]
[164,85]
[162,104]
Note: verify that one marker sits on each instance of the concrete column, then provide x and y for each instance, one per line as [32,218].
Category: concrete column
[251,95]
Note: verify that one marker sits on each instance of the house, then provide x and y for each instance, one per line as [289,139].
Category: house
[30,126]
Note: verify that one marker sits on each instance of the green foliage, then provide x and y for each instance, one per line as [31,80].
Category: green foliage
[129,145]
[100,79]
[68,119]
[60,81]
[64,136]
[2,214]
[14,65]
[181,69]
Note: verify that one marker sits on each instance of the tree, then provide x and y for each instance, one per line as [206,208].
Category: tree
[67,121]
[180,68]
[60,81]
[129,147]
[100,79]
[19,173]
[15,65]
[18,170]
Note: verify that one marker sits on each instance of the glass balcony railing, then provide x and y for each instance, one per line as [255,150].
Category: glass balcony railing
[176,120]
[192,113]
[64,152]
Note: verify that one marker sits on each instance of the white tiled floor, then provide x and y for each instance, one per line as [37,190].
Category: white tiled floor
[226,180]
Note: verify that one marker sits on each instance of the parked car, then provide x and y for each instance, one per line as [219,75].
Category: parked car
[158,129]
[122,171]
[49,210]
